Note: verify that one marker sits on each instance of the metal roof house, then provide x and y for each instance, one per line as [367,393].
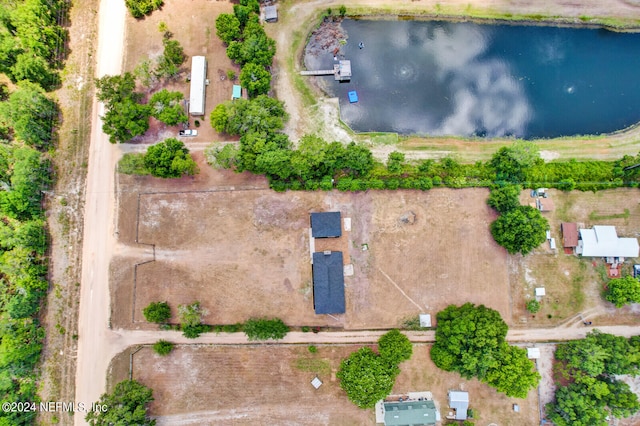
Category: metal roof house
[270,14]
[198,85]
[569,234]
[603,241]
[410,413]
[459,401]
[326,225]
[328,283]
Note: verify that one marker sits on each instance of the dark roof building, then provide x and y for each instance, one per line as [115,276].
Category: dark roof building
[328,283]
[326,225]
[410,413]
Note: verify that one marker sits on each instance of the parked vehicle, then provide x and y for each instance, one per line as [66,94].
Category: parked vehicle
[188,132]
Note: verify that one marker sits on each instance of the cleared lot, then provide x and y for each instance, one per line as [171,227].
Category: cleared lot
[209,385]
[245,252]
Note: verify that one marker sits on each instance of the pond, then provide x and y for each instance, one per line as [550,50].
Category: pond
[467,79]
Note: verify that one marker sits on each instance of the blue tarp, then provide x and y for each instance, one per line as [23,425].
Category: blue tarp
[353,97]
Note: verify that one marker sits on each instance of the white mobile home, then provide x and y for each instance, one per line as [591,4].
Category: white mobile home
[198,85]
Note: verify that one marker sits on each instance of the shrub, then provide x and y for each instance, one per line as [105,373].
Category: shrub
[313,349]
[162,347]
[264,329]
[140,8]
[158,312]
[395,347]
[533,306]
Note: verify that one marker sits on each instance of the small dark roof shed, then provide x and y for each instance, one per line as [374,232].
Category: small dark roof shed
[328,283]
[326,224]
[569,234]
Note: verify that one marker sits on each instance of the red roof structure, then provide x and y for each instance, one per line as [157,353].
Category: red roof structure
[569,234]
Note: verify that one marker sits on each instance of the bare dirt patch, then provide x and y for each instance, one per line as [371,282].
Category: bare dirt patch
[245,252]
[240,390]
[193,24]
[248,385]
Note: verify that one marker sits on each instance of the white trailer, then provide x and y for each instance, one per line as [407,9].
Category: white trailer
[198,85]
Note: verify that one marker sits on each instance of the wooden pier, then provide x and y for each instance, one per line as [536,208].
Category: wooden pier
[341,71]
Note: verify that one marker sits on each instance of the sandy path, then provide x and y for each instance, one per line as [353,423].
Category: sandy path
[94,337]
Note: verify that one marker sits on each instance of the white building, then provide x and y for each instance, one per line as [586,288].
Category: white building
[603,241]
[198,85]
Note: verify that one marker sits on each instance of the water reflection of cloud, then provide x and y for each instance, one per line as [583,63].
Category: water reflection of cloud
[485,98]
[550,50]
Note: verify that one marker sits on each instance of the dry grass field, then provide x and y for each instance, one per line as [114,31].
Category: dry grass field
[193,24]
[271,385]
[574,285]
[245,253]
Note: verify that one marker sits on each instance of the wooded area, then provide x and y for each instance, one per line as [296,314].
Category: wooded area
[32,50]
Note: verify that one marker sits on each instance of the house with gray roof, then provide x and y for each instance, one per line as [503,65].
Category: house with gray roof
[459,401]
[326,225]
[410,413]
[328,282]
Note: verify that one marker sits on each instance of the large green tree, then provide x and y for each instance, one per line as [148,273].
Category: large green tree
[255,79]
[505,198]
[166,106]
[471,341]
[227,27]
[520,230]
[31,115]
[394,347]
[126,405]
[511,163]
[366,377]
[623,291]
[169,159]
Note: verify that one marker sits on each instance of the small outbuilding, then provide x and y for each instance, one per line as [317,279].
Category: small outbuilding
[236,92]
[533,353]
[271,14]
[328,283]
[459,401]
[540,291]
[326,225]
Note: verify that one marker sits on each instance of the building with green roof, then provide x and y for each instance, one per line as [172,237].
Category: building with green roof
[410,413]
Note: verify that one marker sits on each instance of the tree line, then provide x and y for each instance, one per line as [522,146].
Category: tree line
[248,45]
[590,391]
[28,118]
[32,41]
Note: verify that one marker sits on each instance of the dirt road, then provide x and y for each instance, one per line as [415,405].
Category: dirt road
[94,337]
[97,344]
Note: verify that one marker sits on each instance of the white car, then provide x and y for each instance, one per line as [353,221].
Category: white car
[188,132]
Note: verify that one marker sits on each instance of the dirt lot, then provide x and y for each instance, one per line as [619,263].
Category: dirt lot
[193,24]
[245,253]
[574,285]
[282,394]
